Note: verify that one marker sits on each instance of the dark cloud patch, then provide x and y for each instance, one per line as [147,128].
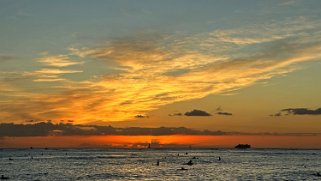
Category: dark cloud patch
[298,111]
[31,121]
[67,129]
[141,116]
[197,112]
[48,128]
[224,113]
[302,111]
[220,111]
[176,114]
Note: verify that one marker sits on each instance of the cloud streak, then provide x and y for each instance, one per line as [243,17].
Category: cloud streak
[156,70]
[49,75]
[58,61]
[224,113]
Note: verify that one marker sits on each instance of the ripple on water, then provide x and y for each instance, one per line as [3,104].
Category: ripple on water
[98,164]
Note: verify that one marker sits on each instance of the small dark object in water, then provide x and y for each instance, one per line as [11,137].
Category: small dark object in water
[4,178]
[189,163]
[243,146]
[182,168]
[178,154]
[31,147]
[186,153]
[194,157]
[157,163]
[10,159]
[219,158]
[317,174]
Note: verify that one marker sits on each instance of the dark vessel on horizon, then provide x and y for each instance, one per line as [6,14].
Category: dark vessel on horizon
[242,146]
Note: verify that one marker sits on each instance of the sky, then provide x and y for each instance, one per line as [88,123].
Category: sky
[239,65]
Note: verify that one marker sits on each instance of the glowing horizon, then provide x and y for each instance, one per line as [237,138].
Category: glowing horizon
[168,141]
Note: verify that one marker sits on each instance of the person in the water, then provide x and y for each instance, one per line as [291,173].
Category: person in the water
[190,163]
[4,177]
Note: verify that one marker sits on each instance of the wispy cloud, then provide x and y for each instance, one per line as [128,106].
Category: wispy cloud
[224,113]
[158,70]
[49,75]
[52,72]
[58,61]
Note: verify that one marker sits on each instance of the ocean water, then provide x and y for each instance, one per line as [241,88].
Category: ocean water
[131,164]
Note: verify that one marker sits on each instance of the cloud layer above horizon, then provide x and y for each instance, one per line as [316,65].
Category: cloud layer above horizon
[149,70]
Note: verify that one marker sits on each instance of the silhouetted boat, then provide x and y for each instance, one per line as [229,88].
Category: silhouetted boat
[243,146]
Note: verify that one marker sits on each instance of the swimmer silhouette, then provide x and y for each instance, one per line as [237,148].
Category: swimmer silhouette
[4,178]
[189,163]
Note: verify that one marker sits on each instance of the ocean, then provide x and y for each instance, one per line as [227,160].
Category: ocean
[135,164]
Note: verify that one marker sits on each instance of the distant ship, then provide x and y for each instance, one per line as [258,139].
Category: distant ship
[242,146]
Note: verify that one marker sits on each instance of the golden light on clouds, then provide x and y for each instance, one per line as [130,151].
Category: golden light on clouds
[58,61]
[153,71]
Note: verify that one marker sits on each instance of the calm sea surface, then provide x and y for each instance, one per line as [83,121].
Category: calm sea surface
[122,164]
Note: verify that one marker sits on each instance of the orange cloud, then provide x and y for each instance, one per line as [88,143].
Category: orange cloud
[156,71]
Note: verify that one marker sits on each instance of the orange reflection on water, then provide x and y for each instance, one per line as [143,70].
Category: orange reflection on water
[163,141]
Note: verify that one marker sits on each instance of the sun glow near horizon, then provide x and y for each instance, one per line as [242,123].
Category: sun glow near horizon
[158,142]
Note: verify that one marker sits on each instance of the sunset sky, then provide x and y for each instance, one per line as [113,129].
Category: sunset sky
[239,65]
